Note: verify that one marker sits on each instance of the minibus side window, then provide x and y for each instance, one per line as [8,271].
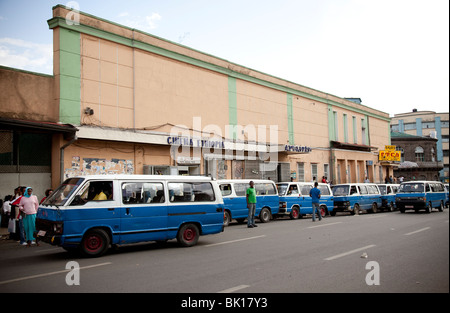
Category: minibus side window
[362,190]
[353,190]
[191,192]
[293,190]
[324,191]
[427,188]
[97,191]
[241,189]
[306,189]
[225,189]
[142,192]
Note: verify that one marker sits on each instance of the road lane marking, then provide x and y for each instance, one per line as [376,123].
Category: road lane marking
[378,215]
[322,225]
[49,274]
[232,241]
[417,231]
[230,290]
[337,256]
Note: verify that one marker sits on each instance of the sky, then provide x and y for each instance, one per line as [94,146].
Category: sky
[393,54]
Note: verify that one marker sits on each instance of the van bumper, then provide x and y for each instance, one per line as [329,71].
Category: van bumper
[410,204]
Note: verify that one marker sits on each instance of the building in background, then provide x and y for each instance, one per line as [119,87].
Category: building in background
[427,123]
[139,104]
[418,157]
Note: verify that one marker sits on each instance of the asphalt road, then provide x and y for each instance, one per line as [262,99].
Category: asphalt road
[411,252]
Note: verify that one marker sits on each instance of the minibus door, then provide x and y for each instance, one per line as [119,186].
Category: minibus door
[143,212]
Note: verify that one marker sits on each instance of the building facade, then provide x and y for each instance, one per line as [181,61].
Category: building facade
[427,123]
[418,157]
[142,104]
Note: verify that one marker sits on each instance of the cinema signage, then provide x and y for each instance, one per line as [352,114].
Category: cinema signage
[195,143]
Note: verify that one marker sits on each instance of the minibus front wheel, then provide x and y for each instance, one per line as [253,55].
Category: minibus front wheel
[95,243]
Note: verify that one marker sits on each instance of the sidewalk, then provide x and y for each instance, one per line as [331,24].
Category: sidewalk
[4,231]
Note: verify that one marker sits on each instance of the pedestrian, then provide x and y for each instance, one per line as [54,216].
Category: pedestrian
[15,214]
[48,192]
[251,205]
[315,195]
[28,206]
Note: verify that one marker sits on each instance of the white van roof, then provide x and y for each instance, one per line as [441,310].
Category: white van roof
[145,177]
[245,181]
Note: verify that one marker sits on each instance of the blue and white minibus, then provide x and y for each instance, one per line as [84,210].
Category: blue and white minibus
[388,192]
[421,195]
[235,201]
[356,197]
[296,202]
[91,213]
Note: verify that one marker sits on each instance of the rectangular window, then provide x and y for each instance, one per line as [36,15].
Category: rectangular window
[325,170]
[191,192]
[314,171]
[142,192]
[355,130]
[301,172]
[363,131]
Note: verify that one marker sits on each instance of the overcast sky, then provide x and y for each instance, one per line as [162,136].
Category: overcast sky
[393,54]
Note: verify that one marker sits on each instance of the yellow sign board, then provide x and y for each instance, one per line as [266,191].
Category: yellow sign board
[390,148]
[389,155]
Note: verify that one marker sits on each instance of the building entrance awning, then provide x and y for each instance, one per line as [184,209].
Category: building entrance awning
[17,124]
[352,146]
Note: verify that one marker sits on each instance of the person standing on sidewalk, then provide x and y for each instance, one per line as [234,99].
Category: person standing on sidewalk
[251,205]
[315,195]
[28,206]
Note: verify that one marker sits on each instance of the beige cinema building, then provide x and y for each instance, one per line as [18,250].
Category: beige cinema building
[138,104]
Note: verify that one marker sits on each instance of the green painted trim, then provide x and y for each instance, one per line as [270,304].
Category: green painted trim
[232,107]
[70,77]
[331,127]
[290,116]
[366,120]
[85,29]
[355,130]
[344,117]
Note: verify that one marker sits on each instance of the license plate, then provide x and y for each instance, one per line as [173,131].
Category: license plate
[409,206]
[42,233]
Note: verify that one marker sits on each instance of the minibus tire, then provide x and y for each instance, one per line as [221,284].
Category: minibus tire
[295,213]
[441,207]
[323,209]
[429,207]
[188,235]
[264,215]
[226,218]
[356,209]
[95,243]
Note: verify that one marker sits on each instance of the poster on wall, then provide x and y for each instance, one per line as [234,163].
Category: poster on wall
[98,166]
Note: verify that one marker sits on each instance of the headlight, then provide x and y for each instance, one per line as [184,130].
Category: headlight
[58,228]
[282,205]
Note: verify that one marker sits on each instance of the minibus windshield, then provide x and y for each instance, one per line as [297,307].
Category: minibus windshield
[340,190]
[412,187]
[63,192]
[282,188]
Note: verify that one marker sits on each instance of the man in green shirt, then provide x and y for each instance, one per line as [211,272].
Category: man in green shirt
[251,205]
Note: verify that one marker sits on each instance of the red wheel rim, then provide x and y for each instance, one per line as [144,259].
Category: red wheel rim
[189,234]
[294,213]
[322,212]
[93,243]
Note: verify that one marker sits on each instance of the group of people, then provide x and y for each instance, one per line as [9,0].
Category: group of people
[21,209]
[251,203]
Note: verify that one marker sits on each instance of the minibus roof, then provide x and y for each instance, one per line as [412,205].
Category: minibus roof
[145,177]
[245,181]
